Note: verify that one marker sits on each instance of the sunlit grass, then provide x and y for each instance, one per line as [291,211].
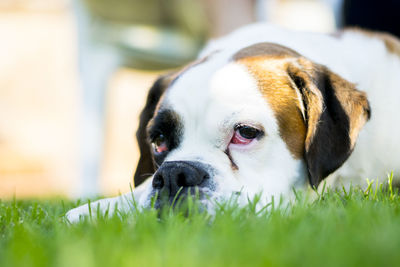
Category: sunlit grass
[347,228]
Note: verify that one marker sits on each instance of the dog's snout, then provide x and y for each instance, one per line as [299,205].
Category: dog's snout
[173,175]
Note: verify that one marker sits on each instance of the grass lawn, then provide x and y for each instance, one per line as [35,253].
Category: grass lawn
[354,228]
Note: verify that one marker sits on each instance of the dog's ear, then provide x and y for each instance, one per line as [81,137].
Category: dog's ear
[145,167]
[334,112]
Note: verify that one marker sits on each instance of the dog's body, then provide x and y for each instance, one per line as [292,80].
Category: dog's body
[268,110]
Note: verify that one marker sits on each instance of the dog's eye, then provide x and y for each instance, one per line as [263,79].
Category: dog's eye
[244,134]
[159,144]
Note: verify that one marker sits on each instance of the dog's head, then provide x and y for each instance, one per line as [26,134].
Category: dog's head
[264,119]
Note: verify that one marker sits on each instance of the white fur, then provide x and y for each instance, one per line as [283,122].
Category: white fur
[124,203]
[211,97]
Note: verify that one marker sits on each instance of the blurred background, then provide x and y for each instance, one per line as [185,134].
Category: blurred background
[74,76]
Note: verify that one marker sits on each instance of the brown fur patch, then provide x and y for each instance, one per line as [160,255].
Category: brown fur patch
[319,113]
[276,87]
[311,97]
[276,84]
[264,49]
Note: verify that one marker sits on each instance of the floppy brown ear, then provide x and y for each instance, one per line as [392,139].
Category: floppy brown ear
[145,166]
[334,111]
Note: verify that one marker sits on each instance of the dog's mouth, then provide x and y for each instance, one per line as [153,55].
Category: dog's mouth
[179,183]
[185,197]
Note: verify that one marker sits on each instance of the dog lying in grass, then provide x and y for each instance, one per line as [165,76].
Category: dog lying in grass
[264,111]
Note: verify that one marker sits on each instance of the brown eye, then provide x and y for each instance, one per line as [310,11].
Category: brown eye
[160,144]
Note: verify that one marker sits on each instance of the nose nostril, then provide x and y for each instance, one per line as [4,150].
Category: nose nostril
[172,176]
[158,182]
[181,180]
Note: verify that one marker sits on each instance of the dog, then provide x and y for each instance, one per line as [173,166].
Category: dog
[266,110]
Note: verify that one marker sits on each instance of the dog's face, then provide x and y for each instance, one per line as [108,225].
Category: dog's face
[261,120]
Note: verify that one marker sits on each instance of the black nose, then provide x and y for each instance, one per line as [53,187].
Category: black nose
[172,175]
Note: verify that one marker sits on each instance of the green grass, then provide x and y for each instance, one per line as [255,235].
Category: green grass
[351,228]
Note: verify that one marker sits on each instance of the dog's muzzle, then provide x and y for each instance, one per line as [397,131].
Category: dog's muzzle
[180,178]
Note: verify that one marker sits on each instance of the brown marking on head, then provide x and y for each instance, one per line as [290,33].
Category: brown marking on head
[319,113]
[264,49]
[278,90]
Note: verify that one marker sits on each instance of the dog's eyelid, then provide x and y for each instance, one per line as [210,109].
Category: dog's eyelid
[256,126]
[245,134]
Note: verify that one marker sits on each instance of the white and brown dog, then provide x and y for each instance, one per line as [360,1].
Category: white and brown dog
[265,110]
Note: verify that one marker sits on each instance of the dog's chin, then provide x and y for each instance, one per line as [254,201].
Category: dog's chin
[201,198]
